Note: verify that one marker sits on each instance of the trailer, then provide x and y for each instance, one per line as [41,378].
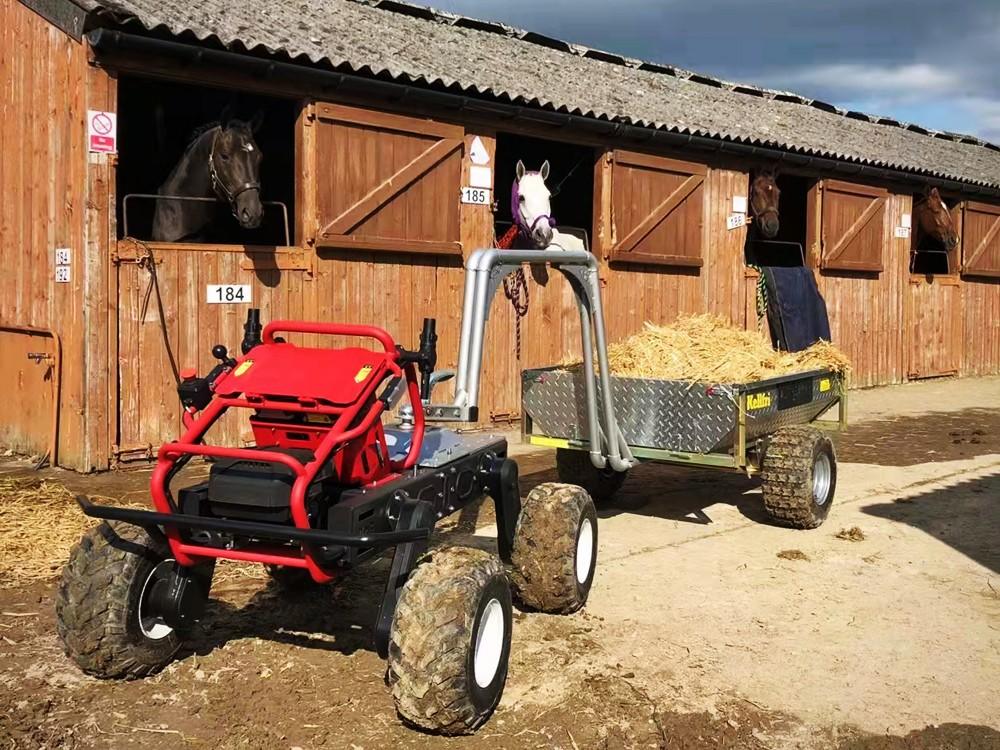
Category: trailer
[603,425]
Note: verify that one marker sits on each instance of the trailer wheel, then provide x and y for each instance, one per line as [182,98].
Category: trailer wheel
[555,548]
[574,467]
[450,641]
[799,477]
[101,600]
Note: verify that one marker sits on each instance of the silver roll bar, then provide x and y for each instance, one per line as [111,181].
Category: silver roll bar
[485,271]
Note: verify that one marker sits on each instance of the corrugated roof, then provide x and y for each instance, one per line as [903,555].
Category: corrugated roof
[418,45]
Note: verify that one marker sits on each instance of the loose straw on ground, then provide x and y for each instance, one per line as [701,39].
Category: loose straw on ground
[705,348]
[40,523]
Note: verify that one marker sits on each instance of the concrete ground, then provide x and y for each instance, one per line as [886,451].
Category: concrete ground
[706,626]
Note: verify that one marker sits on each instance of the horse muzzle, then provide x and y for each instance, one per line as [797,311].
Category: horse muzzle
[247,209]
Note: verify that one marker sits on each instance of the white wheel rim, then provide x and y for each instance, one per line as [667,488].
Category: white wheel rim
[489,643]
[153,627]
[584,550]
[821,479]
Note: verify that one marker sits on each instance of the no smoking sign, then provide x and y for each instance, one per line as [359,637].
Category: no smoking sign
[102,131]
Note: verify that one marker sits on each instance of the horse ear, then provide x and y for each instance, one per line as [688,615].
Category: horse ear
[933,193]
[519,170]
[226,115]
[544,171]
[256,121]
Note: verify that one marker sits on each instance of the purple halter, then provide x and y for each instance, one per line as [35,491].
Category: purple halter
[515,210]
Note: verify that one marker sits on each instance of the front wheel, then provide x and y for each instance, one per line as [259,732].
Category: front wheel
[555,548]
[102,605]
[450,641]
[799,477]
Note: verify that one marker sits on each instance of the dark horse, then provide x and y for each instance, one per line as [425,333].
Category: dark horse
[764,195]
[933,219]
[222,162]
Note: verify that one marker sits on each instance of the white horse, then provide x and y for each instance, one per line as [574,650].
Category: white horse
[532,212]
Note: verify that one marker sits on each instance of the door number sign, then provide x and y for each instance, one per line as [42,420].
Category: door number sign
[231,294]
[476,196]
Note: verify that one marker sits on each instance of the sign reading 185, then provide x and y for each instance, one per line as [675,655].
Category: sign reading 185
[233,294]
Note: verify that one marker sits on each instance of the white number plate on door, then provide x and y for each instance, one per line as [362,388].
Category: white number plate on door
[233,294]
[476,196]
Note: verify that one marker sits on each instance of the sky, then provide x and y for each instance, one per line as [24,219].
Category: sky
[936,63]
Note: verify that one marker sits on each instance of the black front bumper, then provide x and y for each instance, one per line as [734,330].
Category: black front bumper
[152,519]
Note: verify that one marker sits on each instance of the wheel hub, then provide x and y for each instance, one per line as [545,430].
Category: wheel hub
[489,642]
[584,550]
[151,622]
[822,474]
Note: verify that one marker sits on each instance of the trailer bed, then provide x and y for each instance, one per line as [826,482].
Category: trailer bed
[679,421]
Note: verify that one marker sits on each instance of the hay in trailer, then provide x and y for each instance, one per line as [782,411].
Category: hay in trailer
[707,349]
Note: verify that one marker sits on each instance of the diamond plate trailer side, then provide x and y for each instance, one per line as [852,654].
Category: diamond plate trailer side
[711,425]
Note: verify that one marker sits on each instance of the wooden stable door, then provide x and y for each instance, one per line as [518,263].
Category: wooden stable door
[933,326]
[386,181]
[167,322]
[933,333]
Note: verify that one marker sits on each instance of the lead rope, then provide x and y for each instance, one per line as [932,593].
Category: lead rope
[515,286]
[146,261]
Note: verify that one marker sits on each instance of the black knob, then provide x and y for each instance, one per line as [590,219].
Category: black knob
[220,352]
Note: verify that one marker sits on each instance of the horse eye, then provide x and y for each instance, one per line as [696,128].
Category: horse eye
[521,198]
[225,157]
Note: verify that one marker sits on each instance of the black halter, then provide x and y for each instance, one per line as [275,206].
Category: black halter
[220,187]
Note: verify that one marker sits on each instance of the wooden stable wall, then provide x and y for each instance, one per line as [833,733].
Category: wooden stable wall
[43,162]
[380,238]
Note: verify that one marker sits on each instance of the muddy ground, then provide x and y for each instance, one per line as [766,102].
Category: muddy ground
[706,626]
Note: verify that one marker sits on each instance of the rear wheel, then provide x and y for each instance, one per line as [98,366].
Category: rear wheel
[103,612]
[555,548]
[799,477]
[450,641]
[575,467]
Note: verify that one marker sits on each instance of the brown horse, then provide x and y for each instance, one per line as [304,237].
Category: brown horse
[931,218]
[222,162]
[764,195]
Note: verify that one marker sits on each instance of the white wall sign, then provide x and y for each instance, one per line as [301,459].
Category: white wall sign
[231,294]
[478,153]
[481,177]
[904,221]
[735,221]
[739,204]
[102,131]
[476,196]
[62,274]
[63,256]
[903,232]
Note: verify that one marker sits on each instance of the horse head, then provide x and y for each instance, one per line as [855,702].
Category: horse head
[934,218]
[530,207]
[764,195]
[234,164]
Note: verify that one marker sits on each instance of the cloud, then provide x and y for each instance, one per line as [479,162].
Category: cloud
[904,82]
[920,61]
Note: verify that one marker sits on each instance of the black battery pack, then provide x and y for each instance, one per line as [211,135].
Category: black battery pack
[254,490]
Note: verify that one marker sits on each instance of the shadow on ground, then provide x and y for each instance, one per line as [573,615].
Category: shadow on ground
[962,515]
[906,441]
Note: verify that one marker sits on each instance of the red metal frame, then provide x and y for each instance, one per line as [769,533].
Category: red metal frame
[348,426]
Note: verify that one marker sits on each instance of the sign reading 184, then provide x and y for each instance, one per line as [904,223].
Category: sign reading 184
[233,294]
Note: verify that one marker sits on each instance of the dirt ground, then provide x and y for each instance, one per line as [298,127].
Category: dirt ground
[706,627]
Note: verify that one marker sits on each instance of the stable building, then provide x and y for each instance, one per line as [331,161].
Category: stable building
[389,135]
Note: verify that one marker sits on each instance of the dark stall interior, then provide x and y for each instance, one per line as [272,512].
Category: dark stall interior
[157,120]
[571,171]
[788,247]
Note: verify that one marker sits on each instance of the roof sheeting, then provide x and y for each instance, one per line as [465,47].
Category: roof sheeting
[417,45]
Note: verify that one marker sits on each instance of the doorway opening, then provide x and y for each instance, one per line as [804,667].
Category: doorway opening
[788,247]
[571,180]
[928,254]
[157,120]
